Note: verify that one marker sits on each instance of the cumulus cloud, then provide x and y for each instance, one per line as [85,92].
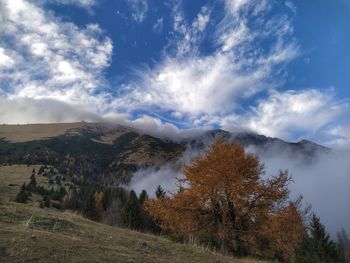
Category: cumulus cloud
[53,59]
[202,88]
[6,60]
[284,113]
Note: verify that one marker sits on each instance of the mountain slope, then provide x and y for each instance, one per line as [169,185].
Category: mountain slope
[110,154]
[86,149]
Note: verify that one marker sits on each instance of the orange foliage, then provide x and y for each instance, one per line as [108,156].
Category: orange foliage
[98,201]
[65,200]
[222,193]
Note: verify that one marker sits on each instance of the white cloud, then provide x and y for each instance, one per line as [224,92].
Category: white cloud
[233,6]
[196,86]
[284,113]
[340,131]
[53,59]
[139,9]
[201,88]
[158,25]
[5,59]
[28,110]
[291,6]
[186,36]
[81,3]
[202,19]
[339,137]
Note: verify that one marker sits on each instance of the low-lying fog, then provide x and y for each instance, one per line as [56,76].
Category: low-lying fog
[324,183]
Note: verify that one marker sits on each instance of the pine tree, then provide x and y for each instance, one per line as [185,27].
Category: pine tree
[132,212]
[90,210]
[107,198]
[46,202]
[343,244]
[143,197]
[32,183]
[41,170]
[22,196]
[317,247]
[160,193]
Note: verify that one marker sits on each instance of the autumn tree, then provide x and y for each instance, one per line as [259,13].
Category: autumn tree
[223,194]
[99,202]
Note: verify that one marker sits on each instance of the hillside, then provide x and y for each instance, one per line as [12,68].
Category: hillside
[95,151]
[32,234]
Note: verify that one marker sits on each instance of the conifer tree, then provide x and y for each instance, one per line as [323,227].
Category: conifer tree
[32,183]
[143,197]
[343,244]
[317,247]
[90,210]
[160,193]
[131,212]
[41,170]
[46,202]
[107,198]
[22,196]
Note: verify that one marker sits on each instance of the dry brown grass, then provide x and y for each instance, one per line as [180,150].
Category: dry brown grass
[31,234]
[13,176]
[29,132]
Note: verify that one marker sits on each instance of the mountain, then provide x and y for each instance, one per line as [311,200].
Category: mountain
[262,144]
[110,154]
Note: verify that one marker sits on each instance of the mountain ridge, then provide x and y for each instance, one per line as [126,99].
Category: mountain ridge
[112,153]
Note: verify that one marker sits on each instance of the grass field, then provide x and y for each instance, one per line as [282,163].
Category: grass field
[12,177]
[32,234]
[28,132]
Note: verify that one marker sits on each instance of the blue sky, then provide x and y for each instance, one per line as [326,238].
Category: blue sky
[279,68]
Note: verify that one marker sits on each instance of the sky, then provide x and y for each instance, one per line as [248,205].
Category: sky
[278,68]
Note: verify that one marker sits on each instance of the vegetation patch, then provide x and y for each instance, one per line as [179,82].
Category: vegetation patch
[52,224]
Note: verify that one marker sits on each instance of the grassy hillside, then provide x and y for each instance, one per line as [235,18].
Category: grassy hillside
[30,132]
[32,234]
